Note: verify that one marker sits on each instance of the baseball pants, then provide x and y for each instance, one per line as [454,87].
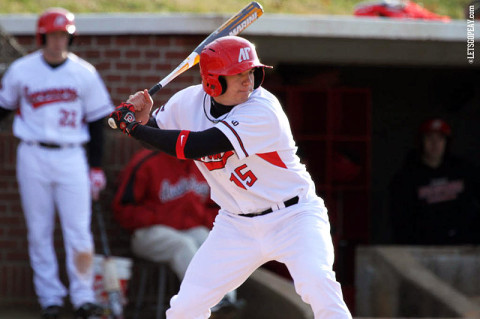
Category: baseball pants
[50,180]
[298,236]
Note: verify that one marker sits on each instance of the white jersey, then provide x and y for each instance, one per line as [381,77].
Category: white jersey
[263,171]
[54,105]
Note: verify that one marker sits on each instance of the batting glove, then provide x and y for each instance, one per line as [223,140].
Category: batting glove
[124,117]
[98,181]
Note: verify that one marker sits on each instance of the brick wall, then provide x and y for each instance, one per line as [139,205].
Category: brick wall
[127,64]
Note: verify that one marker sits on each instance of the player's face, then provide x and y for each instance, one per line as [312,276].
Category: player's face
[239,88]
[56,45]
[434,144]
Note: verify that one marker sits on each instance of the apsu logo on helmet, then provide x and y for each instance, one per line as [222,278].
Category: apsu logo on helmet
[244,54]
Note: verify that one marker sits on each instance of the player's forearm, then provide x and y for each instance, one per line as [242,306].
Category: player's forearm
[198,144]
[95,145]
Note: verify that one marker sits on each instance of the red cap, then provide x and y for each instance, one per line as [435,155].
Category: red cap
[436,125]
[55,19]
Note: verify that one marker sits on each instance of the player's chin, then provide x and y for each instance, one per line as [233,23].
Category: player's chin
[243,96]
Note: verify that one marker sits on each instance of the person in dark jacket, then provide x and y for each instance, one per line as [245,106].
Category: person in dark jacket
[434,197]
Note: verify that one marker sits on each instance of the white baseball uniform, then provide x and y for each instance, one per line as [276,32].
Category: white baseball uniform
[263,172]
[54,106]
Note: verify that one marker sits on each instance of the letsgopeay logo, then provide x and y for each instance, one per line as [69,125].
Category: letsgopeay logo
[217,161]
[40,98]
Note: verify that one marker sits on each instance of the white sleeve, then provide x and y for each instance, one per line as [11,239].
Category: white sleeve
[167,115]
[251,130]
[163,115]
[9,90]
[97,101]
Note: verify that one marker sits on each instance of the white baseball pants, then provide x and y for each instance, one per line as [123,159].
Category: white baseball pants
[49,180]
[298,236]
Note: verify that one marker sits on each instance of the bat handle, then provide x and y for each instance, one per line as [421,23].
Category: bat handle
[154,89]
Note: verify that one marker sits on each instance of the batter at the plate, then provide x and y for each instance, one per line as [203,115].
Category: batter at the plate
[241,141]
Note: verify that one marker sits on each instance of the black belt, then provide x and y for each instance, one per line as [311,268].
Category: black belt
[50,145]
[290,202]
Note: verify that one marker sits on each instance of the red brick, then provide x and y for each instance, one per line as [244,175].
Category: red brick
[143,66]
[112,53]
[105,40]
[113,78]
[81,41]
[132,54]
[152,54]
[17,232]
[103,66]
[18,255]
[123,41]
[8,244]
[142,40]
[123,66]
[161,42]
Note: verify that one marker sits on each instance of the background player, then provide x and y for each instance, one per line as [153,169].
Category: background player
[55,94]
[242,143]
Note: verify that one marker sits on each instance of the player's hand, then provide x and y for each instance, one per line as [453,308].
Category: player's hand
[124,117]
[98,181]
[143,103]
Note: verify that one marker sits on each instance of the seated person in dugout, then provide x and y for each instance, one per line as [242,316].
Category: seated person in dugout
[165,203]
[434,197]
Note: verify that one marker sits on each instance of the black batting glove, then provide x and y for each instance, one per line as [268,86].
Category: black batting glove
[124,117]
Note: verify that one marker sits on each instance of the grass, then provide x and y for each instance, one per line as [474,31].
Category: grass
[452,8]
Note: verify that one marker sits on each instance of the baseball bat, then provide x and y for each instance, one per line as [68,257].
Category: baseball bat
[110,278]
[233,26]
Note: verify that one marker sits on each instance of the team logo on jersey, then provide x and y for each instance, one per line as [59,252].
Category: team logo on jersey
[244,54]
[171,191]
[218,161]
[40,98]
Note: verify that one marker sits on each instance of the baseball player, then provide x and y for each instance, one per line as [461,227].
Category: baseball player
[60,102]
[241,141]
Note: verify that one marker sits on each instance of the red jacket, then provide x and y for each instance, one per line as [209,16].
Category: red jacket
[156,188]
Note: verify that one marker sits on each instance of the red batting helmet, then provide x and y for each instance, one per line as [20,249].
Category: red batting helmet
[228,55]
[436,125]
[54,19]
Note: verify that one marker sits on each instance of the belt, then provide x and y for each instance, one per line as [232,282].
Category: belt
[50,145]
[287,203]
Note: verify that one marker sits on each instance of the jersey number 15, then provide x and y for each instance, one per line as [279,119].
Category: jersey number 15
[247,176]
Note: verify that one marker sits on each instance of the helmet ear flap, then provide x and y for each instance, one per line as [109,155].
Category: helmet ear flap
[42,39]
[211,85]
[258,75]
[223,84]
